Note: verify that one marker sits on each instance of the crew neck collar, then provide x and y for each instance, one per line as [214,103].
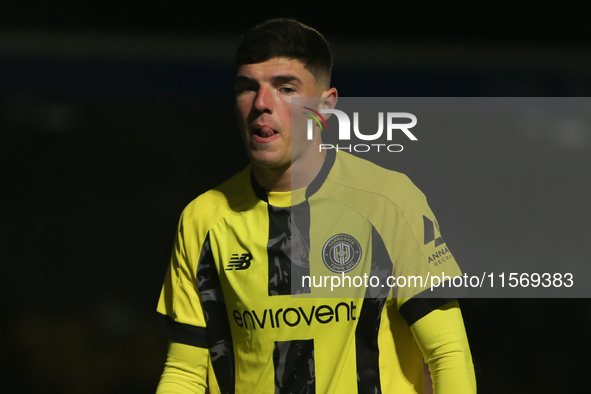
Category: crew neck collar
[294,197]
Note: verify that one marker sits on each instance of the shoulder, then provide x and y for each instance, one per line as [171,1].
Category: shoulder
[234,195]
[371,182]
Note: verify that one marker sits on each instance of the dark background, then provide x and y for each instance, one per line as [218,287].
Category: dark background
[114,115]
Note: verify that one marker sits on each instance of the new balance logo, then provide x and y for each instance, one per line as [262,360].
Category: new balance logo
[430,232]
[239,263]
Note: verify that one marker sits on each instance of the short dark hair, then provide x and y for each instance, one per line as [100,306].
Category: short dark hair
[287,38]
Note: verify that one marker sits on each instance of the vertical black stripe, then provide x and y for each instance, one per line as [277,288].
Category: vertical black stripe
[289,237]
[294,367]
[219,337]
[366,333]
[278,251]
[300,246]
[366,344]
[288,249]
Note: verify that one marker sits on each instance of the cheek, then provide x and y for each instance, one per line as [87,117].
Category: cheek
[241,111]
[243,105]
[286,115]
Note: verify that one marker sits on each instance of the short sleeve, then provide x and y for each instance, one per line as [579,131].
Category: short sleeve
[180,314]
[423,264]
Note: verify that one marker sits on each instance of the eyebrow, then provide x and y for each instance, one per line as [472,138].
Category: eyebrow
[243,79]
[284,78]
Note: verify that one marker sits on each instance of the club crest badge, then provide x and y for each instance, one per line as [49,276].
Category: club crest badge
[341,253]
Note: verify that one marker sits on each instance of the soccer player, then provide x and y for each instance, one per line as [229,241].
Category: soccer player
[232,305]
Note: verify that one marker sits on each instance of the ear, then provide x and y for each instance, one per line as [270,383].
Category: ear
[329,100]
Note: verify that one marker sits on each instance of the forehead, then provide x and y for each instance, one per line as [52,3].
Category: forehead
[277,66]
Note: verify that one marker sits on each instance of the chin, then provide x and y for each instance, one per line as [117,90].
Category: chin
[268,161]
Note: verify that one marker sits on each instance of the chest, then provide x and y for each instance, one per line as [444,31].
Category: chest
[273,251]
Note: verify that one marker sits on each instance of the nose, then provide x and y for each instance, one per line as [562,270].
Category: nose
[264,100]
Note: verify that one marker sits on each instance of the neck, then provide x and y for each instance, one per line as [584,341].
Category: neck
[296,175]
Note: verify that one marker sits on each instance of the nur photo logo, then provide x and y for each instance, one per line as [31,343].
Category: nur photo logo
[392,122]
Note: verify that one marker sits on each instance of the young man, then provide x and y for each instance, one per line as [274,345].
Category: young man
[229,304]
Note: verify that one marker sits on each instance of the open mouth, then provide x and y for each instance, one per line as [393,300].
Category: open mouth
[264,134]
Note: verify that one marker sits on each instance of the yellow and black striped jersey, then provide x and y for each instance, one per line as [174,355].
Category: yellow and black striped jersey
[251,271]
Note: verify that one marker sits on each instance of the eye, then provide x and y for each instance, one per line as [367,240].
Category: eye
[244,88]
[287,90]
[241,89]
